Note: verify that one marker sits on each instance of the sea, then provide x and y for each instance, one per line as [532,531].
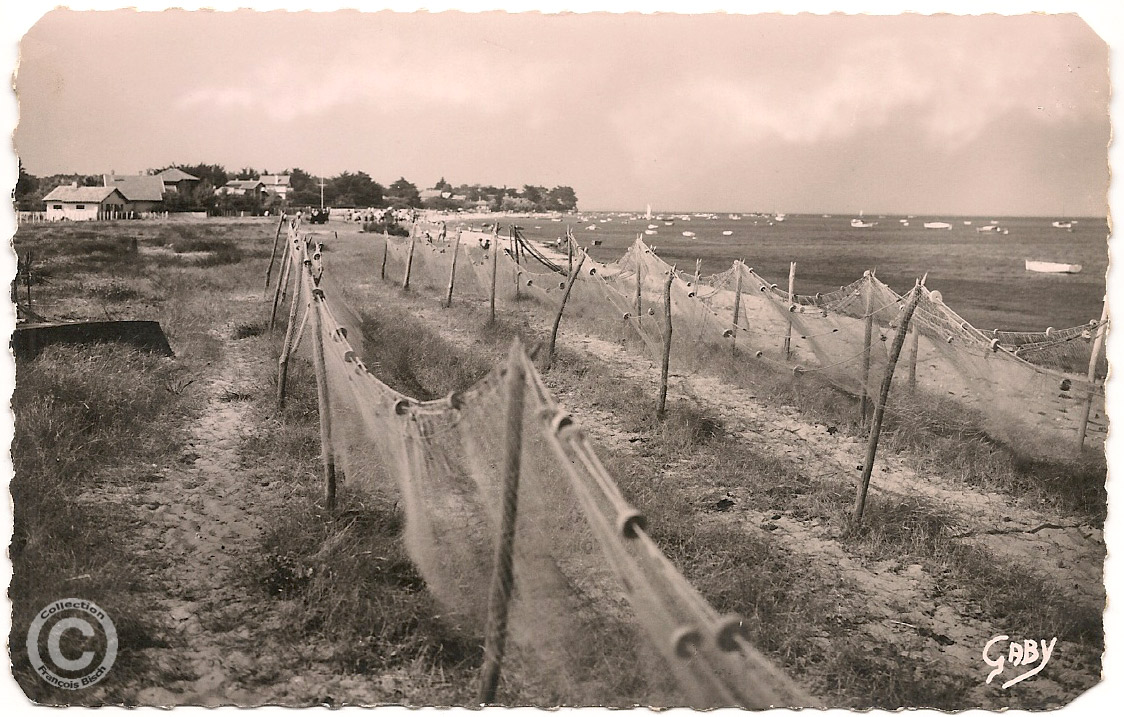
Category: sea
[980,274]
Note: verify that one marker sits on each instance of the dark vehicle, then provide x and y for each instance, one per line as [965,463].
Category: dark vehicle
[318,216]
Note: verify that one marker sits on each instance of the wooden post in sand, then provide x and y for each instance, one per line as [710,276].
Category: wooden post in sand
[868,329]
[503,577]
[913,346]
[698,275]
[880,409]
[558,316]
[791,297]
[492,292]
[287,345]
[569,253]
[737,305]
[282,282]
[409,262]
[324,400]
[661,405]
[453,270]
[273,254]
[1098,343]
[385,249]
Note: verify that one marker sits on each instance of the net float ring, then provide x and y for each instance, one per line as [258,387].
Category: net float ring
[686,642]
[936,297]
[530,282]
[651,311]
[994,345]
[627,316]
[402,407]
[775,287]
[727,333]
[764,288]
[1086,334]
[1065,384]
[349,356]
[318,293]
[759,354]
[949,339]
[690,294]
[562,423]
[798,371]
[824,313]
[341,331]
[592,272]
[630,521]
[1049,331]
[1093,322]
[561,285]
[455,399]
[730,627]
[792,308]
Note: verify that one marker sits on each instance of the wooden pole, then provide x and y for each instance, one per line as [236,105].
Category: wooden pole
[282,282]
[503,578]
[409,263]
[1098,343]
[914,344]
[273,254]
[661,405]
[385,249]
[868,329]
[569,252]
[287,345]
[453,270]
[558,316]
[880,409]
[492,292]
[324,400]
[737,303]
[698,275]
[791,297]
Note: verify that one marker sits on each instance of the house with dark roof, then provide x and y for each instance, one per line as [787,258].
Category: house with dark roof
[177,180]
[75,203]
[143,192]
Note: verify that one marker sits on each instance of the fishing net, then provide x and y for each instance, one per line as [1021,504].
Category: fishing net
[599,616]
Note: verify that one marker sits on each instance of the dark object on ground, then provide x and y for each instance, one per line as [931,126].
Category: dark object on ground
[29,339]
[318,216]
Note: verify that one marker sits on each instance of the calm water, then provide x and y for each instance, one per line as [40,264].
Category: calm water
[981,275]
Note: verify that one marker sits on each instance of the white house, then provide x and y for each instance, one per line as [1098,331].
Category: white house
[276,184]
[143,192]
[241,187]
[84,203]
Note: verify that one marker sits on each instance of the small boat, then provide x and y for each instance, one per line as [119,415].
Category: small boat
[727,233]
[591,228]
[987,228]
[688,234]
[937,225]
[1062,225]
[649,232]
[860,224]
[653,226]
[668,223]
[1050,267]
[780,217]
[735,217]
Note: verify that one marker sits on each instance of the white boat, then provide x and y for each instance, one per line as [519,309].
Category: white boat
[668,223]
[780,217]
[735,217]
[860,224]
[727,233]
[987,228]
[1050,267]
[649,232]
[937,225]
[653,226]
[688,234]
[1062,225]
[591,228]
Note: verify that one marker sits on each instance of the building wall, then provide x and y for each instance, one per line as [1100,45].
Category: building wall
[83,211]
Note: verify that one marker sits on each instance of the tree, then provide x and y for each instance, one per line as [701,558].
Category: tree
[248,173]
[354,190]
[213,173]
[403,193]
[561,199]
[443,185]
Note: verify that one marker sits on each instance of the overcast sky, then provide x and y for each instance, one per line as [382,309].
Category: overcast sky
[912,114]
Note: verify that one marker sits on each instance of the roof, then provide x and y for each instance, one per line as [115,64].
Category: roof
[243,183]
[175,174]
[275,179]
[67,193]
[137,187]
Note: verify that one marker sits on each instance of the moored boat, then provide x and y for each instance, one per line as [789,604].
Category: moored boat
[1050,267]
[937,225]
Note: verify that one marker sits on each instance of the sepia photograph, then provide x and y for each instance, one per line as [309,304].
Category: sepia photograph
[683,357]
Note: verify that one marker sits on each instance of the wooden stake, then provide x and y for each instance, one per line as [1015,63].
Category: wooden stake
[409,263]
[569,253]
[637,305]
[492,292]
[558,316]
[661,405]
[273,254]
[698,275]
[913,347]
[880,409]
[324,400]
[503,578]
[868,329]
[385,249]
[791,297]
[453,270]
[737,303]
[287,345]
[1098,343]
[282,281]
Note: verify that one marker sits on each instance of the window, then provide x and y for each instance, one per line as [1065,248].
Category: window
[79,206]
[56,206]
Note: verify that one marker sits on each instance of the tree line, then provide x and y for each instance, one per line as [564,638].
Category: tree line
[347,189]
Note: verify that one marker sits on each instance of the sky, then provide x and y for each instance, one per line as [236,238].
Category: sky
[894,114]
